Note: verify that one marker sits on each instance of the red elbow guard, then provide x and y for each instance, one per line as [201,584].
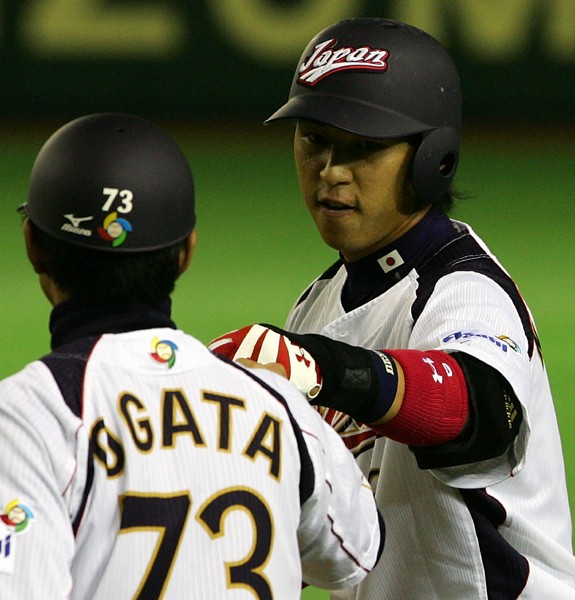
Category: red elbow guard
[435,402]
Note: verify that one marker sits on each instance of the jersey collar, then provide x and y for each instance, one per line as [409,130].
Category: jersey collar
[373,275]
[70,321]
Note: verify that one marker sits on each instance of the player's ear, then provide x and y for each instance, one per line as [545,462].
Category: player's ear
[35,255]
[187,251]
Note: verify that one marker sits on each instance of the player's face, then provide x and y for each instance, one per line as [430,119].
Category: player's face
[357,189]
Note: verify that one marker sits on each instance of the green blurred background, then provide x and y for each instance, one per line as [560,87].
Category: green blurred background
[211,71]
[257,247]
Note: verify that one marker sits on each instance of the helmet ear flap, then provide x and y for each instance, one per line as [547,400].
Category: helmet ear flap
[435,163]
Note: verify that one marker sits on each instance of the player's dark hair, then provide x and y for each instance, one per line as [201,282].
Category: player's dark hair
[446,201]
[95,277]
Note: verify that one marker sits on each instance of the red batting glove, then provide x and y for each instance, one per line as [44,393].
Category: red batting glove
[262,345]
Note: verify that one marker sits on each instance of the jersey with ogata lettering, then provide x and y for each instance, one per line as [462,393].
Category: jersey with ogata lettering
[499,528]
[140,465]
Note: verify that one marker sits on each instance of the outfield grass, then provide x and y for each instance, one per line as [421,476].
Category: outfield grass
[257,247]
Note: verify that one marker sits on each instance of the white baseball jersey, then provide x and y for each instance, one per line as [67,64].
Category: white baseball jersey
[496,529]
[139,465]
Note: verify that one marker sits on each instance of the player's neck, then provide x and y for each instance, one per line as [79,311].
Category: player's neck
[52,291]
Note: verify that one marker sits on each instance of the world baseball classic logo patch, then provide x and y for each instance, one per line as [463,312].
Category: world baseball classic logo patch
[14,520]
[164,351]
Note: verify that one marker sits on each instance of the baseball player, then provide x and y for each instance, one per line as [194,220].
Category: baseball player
[136,463]
[416,343]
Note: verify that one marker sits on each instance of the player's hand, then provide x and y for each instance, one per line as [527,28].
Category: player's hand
[273,367]
[265,347]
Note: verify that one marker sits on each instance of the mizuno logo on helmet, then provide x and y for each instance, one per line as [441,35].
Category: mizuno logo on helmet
[325,61]
[76,230]
[76,220]
[74,226]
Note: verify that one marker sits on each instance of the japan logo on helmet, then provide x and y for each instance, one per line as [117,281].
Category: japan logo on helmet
[324,61]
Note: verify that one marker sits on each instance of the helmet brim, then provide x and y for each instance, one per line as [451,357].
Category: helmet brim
[350,115]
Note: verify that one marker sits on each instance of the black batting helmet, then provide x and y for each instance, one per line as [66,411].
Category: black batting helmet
[384,79]
[112,182]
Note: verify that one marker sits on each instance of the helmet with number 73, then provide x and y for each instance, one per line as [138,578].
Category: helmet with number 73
[383,79]
[112,182]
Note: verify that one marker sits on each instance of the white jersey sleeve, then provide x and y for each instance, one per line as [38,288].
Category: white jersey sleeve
[341,549]
[44,455]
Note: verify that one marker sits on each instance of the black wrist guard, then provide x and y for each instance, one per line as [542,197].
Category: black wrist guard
[350,382]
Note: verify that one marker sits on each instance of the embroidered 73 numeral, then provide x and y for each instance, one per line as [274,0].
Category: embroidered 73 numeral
[168,515]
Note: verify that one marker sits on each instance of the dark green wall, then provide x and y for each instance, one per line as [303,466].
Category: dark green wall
[233,59]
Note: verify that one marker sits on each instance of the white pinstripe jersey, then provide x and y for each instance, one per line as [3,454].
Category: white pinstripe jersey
[206,482]
[494,529]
